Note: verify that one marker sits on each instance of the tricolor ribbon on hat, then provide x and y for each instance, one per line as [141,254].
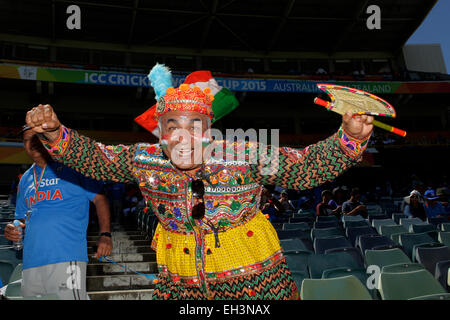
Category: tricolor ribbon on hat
[224,100]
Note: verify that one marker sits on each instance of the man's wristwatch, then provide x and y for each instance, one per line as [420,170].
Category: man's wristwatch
[106,234]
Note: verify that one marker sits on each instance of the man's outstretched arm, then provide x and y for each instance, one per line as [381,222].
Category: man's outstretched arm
[90,158]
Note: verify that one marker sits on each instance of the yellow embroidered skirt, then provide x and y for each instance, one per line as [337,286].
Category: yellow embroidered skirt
[248,264]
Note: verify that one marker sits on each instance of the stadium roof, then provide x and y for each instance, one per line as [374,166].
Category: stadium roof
[201,27]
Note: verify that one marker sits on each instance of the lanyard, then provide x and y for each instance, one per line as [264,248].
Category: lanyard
[36,183]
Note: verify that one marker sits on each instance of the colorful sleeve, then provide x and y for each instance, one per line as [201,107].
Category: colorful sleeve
[308,168]
[90,158]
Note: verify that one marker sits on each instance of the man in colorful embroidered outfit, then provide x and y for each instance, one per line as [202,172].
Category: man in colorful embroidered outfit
[53,206]
[228,250]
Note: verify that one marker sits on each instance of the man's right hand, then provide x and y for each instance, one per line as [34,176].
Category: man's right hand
[12,233]
[42,119]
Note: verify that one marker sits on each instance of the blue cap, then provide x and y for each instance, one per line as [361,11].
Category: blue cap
[16,223]
[430,194]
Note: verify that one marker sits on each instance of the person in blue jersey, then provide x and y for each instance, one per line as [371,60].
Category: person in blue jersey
[53,206]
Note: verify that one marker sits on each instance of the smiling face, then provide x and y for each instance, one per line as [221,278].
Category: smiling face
[182,134]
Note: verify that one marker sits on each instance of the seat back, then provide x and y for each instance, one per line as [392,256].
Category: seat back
[294,244]
[409,240]
[6,269]
[441,273]
[429,257]
[296,226]
[290,234]
[309,220]
[406,222]
[403,267]
[355,253]
[437,220]
[326,233]
[322,244]
[444,238]
[326,219]
[439,296]
[387,231]
[397,216]
[387,257]
[445,227]
[382,222]
[343,288]
[352,218]
[359,273]
[369,241]
[318,263]
[297,260]
[407,285]
[354,224]
[421,228]
[353,233]
[325,224]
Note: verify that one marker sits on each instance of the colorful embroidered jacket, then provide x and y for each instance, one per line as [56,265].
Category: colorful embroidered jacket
[233,252]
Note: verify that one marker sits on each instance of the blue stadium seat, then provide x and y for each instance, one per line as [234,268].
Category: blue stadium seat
[397,216]
[290,234]
[322,244]
[386,257]
[354,224]
[308,220]
[402,267]
[298,260]
[390,230]
[296,226]
[327,218]
[6,269]
[421,228]
[437,220]
[382,222]
[294,245]
[444,238]
[342,288]
[406,222]
[445,227]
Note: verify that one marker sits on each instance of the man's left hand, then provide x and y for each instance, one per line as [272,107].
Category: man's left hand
[104,247]
[359,126]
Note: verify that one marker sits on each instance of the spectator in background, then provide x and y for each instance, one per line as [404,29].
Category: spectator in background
[324,208]
[117,196]
[53,207]
[414,207]
[285,202]
[353,207]
[433,207]
[337,200]
[271,206]
[443,193]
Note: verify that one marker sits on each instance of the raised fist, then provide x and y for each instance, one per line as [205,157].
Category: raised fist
[42,119]
[358,126]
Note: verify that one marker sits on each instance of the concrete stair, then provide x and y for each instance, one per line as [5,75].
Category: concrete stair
[108,281]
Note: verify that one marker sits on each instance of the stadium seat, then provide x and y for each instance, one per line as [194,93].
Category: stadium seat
[445,227]
[368,242]
[407,285]
[298,277]
[396,237]
[298,260]
[293,245]
[322,244]
[373,217]
[382,222]
[296,226]
[318,263]
[437,220]
[406,222]
[359,273]
[421,228]
[352,218]
[397,216]
[439,296]
[326,233]
[409,240]
[308,220]
[441,273]
[387,257]
[325,224]
[354,224]
[16,274]
[326,218]
[355,253]
[402,267]
[290,234]
[343,288]
[444,238]
[353,233]
[277,226]
[6,269]
[390,230]
[429,257]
